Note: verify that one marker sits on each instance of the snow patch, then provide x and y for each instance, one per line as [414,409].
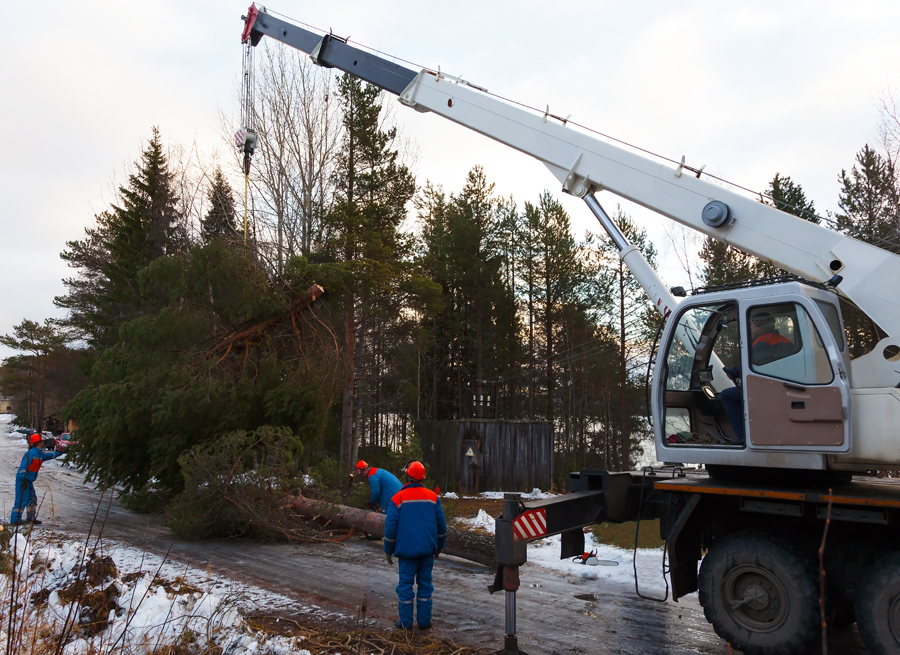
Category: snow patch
[535,494]
[450,495]
[483,521]
[545,553]
[155,603]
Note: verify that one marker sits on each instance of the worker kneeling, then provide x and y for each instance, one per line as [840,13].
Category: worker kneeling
[415,531]
[383,485]
[26,499]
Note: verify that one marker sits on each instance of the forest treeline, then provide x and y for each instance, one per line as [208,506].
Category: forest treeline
[439,302]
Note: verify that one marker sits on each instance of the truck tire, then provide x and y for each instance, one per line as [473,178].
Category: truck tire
[761,595]
[878,606]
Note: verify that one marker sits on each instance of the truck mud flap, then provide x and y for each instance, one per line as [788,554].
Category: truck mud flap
[684,548]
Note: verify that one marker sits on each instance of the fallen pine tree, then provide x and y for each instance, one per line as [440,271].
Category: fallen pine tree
[468,545]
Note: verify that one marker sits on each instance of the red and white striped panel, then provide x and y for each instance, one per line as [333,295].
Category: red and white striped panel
[239,138]
[530,525]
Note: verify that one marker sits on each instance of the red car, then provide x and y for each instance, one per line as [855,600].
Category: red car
[62,443]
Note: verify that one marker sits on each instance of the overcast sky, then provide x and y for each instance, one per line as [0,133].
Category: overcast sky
[749,89]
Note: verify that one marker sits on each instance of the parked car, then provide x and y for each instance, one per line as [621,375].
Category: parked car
[62,443]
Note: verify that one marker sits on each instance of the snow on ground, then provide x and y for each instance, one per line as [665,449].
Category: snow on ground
[619,566]
[545,553]
[153,602]
[536,494]
[483,521]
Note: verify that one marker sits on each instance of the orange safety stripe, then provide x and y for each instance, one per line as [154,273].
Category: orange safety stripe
[414,495]
[780,495]
[372,471]
[35,465]
[772,339]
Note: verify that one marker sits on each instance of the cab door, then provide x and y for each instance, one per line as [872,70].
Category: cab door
[795,385]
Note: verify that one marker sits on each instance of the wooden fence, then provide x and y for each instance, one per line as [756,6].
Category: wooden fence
[475,455]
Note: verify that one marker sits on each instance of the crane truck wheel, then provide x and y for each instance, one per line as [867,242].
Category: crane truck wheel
[878,606]
[761,595]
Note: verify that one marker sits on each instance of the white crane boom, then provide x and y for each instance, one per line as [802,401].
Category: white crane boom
[583,164]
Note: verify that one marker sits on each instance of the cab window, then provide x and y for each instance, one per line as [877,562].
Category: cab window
[785,344]
[833,319]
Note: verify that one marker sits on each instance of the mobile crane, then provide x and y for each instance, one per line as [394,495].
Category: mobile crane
[780,465]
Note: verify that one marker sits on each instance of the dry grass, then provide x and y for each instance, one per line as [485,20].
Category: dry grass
[363,641]
[621,535]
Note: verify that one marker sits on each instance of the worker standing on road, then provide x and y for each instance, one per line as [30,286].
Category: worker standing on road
[26,475]
[383,484]
[415,531]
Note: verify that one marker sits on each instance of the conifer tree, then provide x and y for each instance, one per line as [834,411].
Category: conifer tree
[870,200]
[373,189]
[44,373]
[220,220]
[143,226]
[870,211]
[629,317]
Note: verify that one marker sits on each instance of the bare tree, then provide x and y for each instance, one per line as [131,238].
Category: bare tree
[299,131]
[685,243]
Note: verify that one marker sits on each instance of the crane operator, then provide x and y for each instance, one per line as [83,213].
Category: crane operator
[764,340]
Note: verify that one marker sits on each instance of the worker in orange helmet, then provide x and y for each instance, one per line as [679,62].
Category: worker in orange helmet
[382,483]
[26,499]
[415,530]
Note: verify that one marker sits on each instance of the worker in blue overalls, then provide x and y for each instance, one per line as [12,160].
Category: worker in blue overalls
[415,531]
[26,499]
[383,485]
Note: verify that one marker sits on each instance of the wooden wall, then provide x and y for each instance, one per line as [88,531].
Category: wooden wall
[506,455]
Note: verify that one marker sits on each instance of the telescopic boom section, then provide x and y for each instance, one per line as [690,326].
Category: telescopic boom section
[868,275]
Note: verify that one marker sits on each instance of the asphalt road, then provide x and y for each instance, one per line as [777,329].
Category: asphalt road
[609,618]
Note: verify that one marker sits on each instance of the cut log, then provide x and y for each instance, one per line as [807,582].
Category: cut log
[472,546]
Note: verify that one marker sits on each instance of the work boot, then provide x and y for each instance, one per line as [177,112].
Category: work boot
[400,626]
[423,628]
[35,522]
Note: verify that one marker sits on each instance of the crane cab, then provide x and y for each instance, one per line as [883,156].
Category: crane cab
[753,376]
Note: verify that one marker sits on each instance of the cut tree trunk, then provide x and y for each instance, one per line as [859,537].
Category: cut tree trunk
[464,544]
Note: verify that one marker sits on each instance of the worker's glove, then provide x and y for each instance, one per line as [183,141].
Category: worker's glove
[371,505]
[389,559]
[438,554]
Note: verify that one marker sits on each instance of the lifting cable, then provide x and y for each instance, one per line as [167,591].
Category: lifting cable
[245,138]
[852,231]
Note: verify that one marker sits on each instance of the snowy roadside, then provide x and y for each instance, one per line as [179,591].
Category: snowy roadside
[617,564]
[115,598]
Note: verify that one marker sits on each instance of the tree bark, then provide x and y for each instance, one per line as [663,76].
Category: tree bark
[467,545]
[349,369]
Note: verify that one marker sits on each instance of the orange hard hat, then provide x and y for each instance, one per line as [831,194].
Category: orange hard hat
[415,470]
[360,465]
[35,439]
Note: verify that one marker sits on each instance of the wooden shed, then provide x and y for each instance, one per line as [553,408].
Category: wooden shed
[475,455]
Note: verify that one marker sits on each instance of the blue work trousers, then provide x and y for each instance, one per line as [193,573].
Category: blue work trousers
[733,403]
[415,570]
[26,499]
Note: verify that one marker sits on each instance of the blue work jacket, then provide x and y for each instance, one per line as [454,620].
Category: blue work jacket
[415,524]
[384,485]
[32,460]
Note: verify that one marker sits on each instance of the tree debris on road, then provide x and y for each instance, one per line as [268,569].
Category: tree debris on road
[467,545]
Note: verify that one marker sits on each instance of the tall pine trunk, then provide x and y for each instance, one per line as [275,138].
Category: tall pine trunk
[347,440]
